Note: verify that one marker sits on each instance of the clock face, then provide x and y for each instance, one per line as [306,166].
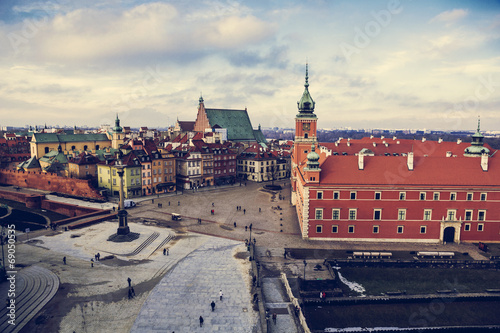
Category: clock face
[306,126]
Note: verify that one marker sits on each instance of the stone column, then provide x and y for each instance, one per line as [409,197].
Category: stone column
[123,228]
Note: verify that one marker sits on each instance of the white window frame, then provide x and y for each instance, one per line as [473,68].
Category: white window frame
[453,196]
[422,194]
[485,195]
[400,229]
[376,229]
[319,228]
[402,213]
[467,226]
[479,212]
[319,195]
[351,229]
[351,210]
[379,196]
[429,211]
[452,213]
[333,214]
[480,227]
[423,229]
[351,195]
[379,215]
[471,195]
[435,196]
[336,195]
[402,195]
[318,211]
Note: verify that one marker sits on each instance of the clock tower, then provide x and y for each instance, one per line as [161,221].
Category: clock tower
[305,134]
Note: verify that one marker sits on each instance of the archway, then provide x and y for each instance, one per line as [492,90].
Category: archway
[449,235]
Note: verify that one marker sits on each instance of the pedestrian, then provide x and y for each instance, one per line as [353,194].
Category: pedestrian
[201,321]
[164,251]
[95,257]
[129,280]
[220,294]
[235,224]
[244,211]
[274,318]
[259,209]
[98,256]
[133,291]
[64,260]
[213,306]
[246,228]
[91,262]
[213,205]
[169,203]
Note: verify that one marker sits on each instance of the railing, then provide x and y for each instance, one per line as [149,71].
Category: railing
[295,303]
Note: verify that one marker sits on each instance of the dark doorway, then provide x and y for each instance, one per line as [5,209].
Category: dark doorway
[449,235]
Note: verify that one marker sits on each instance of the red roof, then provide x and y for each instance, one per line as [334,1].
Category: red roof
[393,170]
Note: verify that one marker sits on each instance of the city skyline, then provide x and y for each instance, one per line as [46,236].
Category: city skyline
[383,64]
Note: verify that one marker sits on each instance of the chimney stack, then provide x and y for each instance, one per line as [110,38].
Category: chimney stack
[484,162]
[361,161]
[410,161]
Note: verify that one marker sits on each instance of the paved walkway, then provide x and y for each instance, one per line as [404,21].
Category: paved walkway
[185,294]
[277,302]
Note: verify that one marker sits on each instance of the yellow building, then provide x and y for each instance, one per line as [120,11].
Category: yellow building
[42,143]
[83,166]
[108,179]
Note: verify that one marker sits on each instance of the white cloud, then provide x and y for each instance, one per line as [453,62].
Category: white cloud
[450,15]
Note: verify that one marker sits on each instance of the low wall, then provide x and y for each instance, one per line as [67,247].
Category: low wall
[50,182]
[55,206]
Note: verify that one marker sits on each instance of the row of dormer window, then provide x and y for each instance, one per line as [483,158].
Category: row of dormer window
[469,196]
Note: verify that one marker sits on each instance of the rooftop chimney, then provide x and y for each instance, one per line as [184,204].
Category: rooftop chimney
[484,162]
[361,161]
[410,161]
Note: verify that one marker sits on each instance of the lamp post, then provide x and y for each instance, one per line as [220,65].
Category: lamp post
[305,264]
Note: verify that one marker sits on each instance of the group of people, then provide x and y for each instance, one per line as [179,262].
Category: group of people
[212,305]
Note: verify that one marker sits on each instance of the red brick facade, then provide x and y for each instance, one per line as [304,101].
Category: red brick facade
[50,182]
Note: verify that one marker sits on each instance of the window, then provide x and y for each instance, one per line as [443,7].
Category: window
[352,214]
[469,196]
[451,215]
[319,213]
[114,172]
[319,229]
[422,195]
[423,229]
[336,195]
[378,195]
[377,213]
[468,215]
[114,181]
[353,195]
[401,214]
[427,214]
[402,195]
[453,196]
[335,229]
[375,229]
[436,196]
[483,196]
[350,229]
[335,214]
[480,227]
[400,229]
[481,215]
[319,195]
[467,227]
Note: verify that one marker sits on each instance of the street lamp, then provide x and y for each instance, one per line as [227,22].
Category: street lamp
[305,264]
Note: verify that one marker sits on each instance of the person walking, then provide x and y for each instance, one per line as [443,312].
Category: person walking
[274,318]
[220,294]
[64,260]
[164,251]
[213,306]
[167,250]
[235,224]
[129,280]
[201,321]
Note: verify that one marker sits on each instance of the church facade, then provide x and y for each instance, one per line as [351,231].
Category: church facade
[393,190]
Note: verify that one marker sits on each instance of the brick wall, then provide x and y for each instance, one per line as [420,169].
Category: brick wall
[50,182]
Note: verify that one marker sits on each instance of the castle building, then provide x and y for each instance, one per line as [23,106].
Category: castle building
[393,190]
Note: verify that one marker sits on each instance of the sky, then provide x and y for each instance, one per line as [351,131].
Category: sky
[372,64]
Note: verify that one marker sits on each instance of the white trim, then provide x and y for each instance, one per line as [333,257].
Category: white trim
[388,240]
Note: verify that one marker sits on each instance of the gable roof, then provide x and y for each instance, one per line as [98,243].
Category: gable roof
[236,122]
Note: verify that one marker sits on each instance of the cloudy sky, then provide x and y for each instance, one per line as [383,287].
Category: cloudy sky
[372,64]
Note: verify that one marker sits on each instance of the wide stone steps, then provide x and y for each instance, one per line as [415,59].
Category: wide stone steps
[35,287]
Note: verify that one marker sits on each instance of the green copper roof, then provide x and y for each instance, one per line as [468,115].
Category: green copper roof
[312,160]
[306,103]
[29,164]
[62,138]
[117,128]
[477,144]
[237,123]
[259,136]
